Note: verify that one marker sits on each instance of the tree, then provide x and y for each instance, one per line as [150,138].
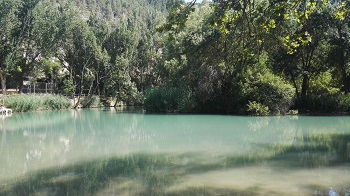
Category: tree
[339,54]
[120,46]
[9,23]
[40,39]
[306,39]
[84,56]
[30,33]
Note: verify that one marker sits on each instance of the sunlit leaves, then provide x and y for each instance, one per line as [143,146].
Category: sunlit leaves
[227,20]
[296,17]
[341,11]
[272,24]
[286,16]
[176,18]
[292,44]
[324,84]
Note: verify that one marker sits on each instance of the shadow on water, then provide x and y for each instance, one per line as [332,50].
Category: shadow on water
[130,175]
[313,151]
[158,174]
[149,174]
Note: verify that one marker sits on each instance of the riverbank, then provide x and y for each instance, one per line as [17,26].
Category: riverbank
[39,102]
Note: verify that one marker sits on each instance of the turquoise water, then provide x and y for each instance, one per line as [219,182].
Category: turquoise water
[108,152]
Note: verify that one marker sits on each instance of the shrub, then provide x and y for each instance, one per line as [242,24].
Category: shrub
[271,91]
[264,87]
[91,102]
[337,103]
[344,103]
[257,109]
[323,84]
[169,99]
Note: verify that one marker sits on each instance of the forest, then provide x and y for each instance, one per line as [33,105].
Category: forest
[256,57]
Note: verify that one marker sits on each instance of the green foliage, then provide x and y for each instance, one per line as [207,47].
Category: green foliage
[25,103]
[337,103]
[68,87]
[268,89]
[9,39]
[257,109]
[232,55]
[177,17]
[169,99]
[103,47]
[91,102]
[293,112]
[53,102]
[323,84]
[50,67]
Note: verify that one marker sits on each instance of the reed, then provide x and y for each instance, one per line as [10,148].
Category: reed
[26,103]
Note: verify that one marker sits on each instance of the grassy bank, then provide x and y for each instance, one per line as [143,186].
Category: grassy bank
[25,103]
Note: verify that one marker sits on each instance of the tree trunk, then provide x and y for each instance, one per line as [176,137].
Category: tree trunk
[3,83]
[343,64]
[80,91]
[90,89]
[295,86]
[304,86]
[345,79]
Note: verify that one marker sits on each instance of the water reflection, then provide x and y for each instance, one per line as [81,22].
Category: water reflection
[104,152]
[148,174]
[314,151]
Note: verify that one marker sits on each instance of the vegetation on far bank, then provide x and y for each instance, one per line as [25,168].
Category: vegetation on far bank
[26,103]
[236,57]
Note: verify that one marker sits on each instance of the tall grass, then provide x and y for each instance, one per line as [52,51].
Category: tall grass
[25,103]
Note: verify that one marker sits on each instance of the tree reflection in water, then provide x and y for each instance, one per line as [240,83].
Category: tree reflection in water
[110,153]
[148,174]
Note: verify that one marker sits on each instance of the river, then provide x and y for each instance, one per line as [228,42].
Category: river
[110,152]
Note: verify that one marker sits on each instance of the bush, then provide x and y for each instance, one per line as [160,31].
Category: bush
[271,91]
[169,99]
[344,103]
[264,87]
[25,103]
[257,109]
[338,103]
[323,84]
[91,102]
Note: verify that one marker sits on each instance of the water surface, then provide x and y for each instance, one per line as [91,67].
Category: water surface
[106,152]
